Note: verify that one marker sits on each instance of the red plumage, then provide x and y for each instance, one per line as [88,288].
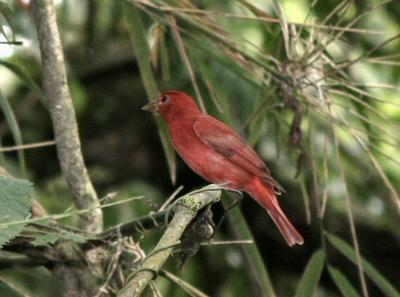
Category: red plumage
[219,155]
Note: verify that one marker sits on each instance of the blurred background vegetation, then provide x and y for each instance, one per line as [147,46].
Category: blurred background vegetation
[319,102]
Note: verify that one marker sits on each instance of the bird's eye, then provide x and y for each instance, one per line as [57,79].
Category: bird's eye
[164,98]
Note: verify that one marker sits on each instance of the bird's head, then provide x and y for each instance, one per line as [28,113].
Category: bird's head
[173,105]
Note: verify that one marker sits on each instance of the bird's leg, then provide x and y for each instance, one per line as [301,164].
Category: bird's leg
[224,185]
[239,193]
[237,200]
[229,187]
[211,187]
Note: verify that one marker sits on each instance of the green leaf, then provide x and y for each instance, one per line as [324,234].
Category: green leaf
[223,60]
[164,59]
[386,287]
[14,127]
[216,92]
[15,205]
[306,197]
[9,289]
[311,275]
[26,80]
[257,121]
[343,284]
[143,58]
[45,239]
[51,238]
[76,237]
[6,11]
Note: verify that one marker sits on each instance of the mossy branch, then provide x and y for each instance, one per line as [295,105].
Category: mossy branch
[184,212]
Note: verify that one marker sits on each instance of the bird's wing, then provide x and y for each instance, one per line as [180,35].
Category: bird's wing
[228,143]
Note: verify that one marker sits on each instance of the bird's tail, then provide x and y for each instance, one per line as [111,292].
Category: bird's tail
[265,196]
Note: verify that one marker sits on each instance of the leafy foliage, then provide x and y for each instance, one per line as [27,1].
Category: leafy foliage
[14,127]
[314,84]
[15,203]
[52,237]
[386,287]
[311,275]
[343,284]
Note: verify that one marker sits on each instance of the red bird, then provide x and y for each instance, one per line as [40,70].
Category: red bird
[219,155]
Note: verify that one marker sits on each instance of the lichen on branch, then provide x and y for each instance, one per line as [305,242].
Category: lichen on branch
[185,211]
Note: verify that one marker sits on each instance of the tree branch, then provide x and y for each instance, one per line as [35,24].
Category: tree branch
[10,260]
[63,115]
[140,225]
[184,212]
[78,279]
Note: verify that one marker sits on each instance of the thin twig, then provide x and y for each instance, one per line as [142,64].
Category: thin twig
[183,284]
[228,242]
[186,60]
[27,146]
[368,53]
[325,194]
[256,18]
[350,217]
[12,42]
[170,198]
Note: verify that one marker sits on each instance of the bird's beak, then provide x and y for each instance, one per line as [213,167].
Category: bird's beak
[151,106]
